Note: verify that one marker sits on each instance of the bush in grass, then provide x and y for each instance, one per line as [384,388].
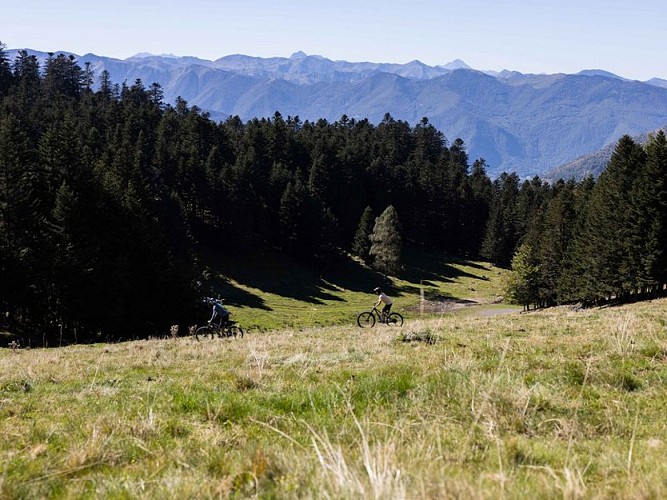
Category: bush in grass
[426,336]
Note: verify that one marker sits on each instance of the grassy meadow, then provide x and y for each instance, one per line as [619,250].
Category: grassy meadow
[550,404]
[266,291]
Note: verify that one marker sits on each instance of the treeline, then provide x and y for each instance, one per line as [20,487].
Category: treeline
[107,195]
[595,242]
[106,192]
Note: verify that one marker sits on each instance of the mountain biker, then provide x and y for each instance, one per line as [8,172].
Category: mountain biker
[220,312]
[383,298]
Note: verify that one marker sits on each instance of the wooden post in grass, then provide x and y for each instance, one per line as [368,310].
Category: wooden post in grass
[421,294]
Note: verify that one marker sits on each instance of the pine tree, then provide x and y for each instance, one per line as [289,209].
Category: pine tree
[648,217]
[20,219]
[557,234]
[300,219]
[572,269]
[26,74]
[6,76]
[386,242]
[477,208]
[603,244]
[62,76]
[502,232]
[361,244]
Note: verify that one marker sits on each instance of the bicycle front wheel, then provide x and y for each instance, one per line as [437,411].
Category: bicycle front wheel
[203,332]
[395,319]
[235,331]
[366,320]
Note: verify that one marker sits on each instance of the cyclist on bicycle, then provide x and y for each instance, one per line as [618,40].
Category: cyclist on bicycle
[220,312]
[383,298]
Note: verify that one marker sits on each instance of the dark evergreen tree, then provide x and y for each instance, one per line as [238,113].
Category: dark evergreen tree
[602,249]
[26,73]
[532,198]
[63,77]
[647,239]
[300,220]
[569,280]
[106,85]
[6,76]
[476,209]
[558,225]
[503,227]
[21,222]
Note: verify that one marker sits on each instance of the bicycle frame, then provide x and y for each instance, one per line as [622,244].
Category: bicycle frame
[222,328]
[379,315]
[228,329]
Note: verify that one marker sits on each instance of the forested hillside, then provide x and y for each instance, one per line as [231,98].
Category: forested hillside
[594,242]
[107,196]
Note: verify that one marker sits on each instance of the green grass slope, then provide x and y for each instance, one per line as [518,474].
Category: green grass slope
[550,404]
[266,291]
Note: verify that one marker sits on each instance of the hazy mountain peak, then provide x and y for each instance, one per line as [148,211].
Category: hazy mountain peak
[456,64]
[599,72]
[299,55]
[146,55]
[658,82]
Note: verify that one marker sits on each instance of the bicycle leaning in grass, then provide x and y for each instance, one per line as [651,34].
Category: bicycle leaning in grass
[213,330]
[219,325]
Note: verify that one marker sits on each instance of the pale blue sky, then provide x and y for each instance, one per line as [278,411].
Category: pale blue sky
[532,36]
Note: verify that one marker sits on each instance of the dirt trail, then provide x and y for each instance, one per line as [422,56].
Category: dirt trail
[484,309]
[489,313]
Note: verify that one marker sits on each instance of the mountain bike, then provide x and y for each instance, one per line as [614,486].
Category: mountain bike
[213,330]
[367,319]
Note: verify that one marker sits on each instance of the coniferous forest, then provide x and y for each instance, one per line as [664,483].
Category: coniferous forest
[107,193]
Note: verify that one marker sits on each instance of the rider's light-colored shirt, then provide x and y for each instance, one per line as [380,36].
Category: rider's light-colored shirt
[383,298]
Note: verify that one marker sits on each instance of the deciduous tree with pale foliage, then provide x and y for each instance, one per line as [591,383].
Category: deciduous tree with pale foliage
[386,242]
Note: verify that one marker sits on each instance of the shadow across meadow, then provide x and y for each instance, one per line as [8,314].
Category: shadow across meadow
[316,280]
[310,280]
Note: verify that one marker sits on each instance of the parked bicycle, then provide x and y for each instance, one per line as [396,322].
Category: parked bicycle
[367,319]
[213,330]
[219,325]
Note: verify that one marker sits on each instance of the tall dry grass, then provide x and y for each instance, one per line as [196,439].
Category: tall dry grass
[552,404]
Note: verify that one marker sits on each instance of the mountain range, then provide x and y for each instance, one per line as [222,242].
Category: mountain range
[524,123]
[592,163]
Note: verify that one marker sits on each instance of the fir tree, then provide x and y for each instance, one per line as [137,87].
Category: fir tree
[6,76]
[557,233]
[502,233]
[603,270]
[300,219]
[647,239]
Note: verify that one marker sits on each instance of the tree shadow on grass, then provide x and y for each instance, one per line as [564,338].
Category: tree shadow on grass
[236,296]
[309,279]
[318,280]
[426,266]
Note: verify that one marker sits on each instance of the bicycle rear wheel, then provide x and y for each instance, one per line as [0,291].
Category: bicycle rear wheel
[366,320]
[203,332]
[395,319]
